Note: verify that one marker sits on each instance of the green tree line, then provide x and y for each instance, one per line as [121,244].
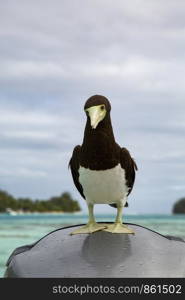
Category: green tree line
[62,203]
[179,206]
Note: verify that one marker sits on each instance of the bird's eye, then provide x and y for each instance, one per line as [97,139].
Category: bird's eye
[102,107]
[87,113]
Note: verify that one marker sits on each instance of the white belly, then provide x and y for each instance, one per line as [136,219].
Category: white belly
[106,187]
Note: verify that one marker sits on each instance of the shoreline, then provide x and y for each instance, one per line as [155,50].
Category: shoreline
[15,213]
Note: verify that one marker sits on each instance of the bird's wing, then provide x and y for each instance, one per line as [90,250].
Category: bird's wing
[128,163]
[74,165]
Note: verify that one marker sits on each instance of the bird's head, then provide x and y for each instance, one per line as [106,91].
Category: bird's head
[97,107]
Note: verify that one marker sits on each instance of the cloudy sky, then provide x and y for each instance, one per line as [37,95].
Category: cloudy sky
[56,54]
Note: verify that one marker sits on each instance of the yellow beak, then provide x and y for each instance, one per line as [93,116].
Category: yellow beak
[95,115]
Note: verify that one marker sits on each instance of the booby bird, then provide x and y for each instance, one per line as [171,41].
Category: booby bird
[102,171]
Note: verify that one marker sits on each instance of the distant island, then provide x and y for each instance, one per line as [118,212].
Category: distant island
[63,203]
[179,207]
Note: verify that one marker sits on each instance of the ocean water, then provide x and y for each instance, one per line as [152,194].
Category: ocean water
[19,230]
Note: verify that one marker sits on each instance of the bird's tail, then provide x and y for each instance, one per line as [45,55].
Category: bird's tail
[115,205]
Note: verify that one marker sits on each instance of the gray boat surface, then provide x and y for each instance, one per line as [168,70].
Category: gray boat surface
[101,254]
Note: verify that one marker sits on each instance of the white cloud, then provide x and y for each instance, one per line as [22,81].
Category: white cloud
[139,72]
[31,69]
[23,172]
[37,135]
[26,117]
[179,187]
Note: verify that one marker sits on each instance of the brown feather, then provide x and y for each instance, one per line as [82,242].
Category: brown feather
[99,151]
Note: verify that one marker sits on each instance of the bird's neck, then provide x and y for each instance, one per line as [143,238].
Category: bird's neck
[98,148]
[102,133]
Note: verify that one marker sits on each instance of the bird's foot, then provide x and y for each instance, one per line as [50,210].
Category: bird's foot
[118,228]
[89,228]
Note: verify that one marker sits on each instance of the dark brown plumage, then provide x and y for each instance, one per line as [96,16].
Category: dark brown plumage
[99,151]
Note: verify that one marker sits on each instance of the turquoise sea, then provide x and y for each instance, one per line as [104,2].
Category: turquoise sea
[19,230]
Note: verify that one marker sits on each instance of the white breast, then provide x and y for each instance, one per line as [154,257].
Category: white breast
[108,186]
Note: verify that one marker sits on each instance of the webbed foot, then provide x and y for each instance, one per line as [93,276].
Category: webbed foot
[89,228]
[118,228]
